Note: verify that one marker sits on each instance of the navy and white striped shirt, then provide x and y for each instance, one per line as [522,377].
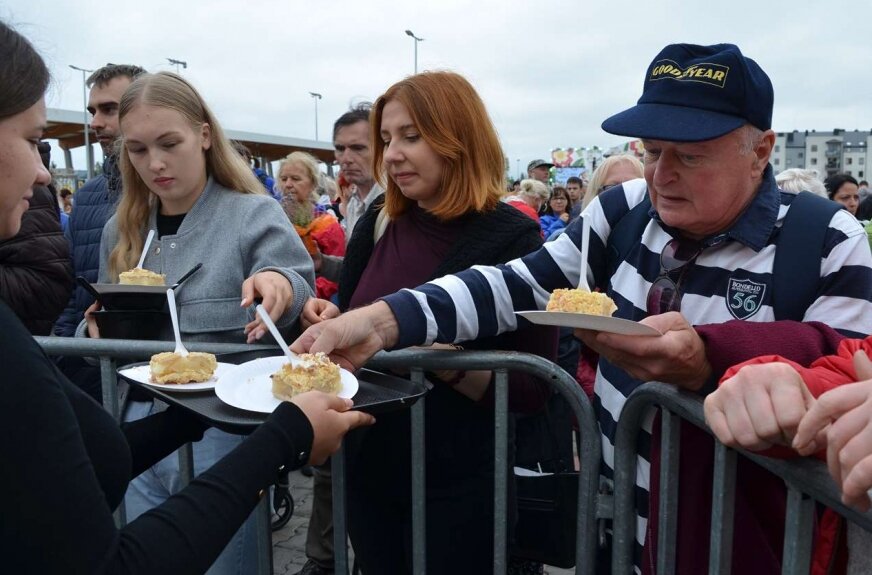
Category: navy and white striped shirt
[481,301]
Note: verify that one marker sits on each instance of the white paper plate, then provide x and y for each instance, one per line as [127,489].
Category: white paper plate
[142,374]
[248,385]
[585,321]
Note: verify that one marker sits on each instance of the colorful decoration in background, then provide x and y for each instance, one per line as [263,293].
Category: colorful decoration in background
[560,175]
[562,158]
[636,147]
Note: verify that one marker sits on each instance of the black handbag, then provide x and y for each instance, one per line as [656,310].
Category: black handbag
[546,526]
[546,504]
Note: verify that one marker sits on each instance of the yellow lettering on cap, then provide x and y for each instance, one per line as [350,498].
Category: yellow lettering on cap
[704,72]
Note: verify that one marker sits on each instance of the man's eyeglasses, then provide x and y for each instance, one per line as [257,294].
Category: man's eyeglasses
[664,294]
[607,187]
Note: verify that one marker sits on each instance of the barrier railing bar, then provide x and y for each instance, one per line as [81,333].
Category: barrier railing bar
[723,510]
[109,387]
[501,463]
[419,488]
[670,449]
[340,544]
[624,522]
[589,448]
[798,533]
[186,463]
[263,515]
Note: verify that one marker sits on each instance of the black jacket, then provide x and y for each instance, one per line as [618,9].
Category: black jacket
[36,274]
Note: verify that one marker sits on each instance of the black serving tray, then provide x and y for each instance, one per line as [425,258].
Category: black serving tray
[378,393]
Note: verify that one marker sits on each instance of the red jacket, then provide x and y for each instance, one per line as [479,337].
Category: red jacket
[760,507]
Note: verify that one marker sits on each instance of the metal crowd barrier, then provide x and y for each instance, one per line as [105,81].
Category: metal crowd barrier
[807,481]
[417,361]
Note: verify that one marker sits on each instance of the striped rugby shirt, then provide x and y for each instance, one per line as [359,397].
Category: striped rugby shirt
[481,301]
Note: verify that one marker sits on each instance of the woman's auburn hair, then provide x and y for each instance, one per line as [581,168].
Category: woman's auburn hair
[451,117]
[223,163]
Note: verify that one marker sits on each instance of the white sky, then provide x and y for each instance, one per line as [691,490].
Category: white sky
[549,71]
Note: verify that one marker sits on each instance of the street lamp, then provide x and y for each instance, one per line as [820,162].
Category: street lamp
[316,96]
[88,159]
[416,39]
[178,63]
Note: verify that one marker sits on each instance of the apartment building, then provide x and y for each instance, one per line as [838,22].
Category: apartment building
[827,152]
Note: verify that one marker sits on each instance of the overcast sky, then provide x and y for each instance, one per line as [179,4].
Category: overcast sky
[549,71]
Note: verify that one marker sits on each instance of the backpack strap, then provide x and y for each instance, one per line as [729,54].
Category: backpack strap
[796,272]
[381,224]
[626,234]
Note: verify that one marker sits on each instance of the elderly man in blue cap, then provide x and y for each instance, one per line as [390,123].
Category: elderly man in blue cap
[690,250]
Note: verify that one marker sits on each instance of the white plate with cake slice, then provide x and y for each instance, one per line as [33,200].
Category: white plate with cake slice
[249,385]
[141,373]
[586,321]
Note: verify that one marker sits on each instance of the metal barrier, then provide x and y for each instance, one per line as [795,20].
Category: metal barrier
[807,481]
[417,361]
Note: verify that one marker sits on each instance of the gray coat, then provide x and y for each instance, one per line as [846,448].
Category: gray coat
[235,236]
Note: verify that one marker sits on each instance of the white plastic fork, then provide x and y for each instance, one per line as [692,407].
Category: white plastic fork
[145,247]
[171,299]
[267,320]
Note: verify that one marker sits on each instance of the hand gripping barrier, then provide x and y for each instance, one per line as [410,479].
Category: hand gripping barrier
[417,361]
[807,481]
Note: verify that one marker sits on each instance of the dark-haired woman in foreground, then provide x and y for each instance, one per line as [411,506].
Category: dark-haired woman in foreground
[66,463]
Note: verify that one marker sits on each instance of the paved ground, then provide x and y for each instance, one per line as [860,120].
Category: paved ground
[289,543]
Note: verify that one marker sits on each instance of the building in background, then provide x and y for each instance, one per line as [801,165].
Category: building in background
[844,151]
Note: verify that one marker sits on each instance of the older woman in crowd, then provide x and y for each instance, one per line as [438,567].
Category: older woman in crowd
[319,229]
[613,171]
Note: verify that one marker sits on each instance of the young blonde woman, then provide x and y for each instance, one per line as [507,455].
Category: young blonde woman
[66,462]
[183,179]
[318,228]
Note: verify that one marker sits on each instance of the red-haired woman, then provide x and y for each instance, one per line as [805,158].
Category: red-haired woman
[441,213]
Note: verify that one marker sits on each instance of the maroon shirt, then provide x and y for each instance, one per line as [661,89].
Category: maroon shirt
[406,256]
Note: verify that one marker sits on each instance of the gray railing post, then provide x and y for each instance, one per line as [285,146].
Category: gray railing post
[797,532]
[723,508]
[501,468]
[419,493]
[340,528]
[670,453]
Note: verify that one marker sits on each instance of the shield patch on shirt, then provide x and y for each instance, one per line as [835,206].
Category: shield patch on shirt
[744,297]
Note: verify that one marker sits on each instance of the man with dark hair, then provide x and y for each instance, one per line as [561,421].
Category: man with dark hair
[575,188]
[354,155]
[95,204]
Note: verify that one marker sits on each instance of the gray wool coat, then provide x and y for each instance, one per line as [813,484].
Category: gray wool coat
[235,236]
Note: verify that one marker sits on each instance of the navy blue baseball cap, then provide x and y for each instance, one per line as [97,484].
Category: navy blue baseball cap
[695,93]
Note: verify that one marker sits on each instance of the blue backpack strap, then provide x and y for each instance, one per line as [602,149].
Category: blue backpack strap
[625,235]
[796,272]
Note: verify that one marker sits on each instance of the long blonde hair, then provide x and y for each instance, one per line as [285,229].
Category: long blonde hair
[223,164]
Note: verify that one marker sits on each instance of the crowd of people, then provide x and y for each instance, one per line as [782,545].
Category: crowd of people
[421,242]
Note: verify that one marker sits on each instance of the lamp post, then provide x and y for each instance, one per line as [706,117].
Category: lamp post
[416,39]
[316,96]
[178,63]
[88,159]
